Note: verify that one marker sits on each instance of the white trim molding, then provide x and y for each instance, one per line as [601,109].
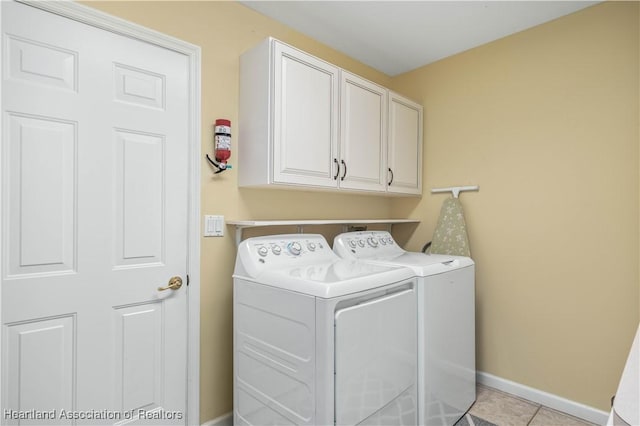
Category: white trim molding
[223,420]
[98,19]
[555,402]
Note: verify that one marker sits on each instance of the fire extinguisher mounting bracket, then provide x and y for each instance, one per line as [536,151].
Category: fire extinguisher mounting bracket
[220,166]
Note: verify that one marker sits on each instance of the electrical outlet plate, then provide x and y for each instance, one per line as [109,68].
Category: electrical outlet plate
[213,226]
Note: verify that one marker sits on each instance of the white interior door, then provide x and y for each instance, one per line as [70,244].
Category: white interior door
[94,198]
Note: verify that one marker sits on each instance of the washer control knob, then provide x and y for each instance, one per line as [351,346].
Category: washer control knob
[372,242]
[294,248]
[361,243]
[276,249]
[352,243]
[383,241]
[263,251]
[311,246]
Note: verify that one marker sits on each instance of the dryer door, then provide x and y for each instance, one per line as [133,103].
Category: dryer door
[375,355]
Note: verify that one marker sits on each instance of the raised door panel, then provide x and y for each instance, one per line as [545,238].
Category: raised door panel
[304,118]
[405,146]
[42,207]
[139,357]
[363,143]
[40,359]
[139,182]
[42,63]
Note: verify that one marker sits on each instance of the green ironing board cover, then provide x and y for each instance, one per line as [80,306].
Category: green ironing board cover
[450,235]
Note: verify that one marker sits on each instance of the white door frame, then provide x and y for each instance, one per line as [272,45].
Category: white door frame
[107,22]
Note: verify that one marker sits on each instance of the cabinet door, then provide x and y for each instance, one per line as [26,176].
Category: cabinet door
[305,117]
[405,146]
[363,134]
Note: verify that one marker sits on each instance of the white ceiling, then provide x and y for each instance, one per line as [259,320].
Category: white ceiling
[399,36]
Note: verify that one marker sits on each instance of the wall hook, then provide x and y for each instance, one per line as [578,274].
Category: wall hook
[456,190]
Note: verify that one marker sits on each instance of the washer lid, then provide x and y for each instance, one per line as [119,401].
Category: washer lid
[333,279]
[423,265]
[427,264]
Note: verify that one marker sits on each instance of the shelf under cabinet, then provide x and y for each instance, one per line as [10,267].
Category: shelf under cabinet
[240,225]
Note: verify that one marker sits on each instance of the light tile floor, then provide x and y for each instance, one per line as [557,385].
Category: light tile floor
[504,409]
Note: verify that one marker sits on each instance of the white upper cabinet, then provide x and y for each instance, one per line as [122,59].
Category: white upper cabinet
[405,146]
[363,134]
[305,119]
[306,123]
[288,123]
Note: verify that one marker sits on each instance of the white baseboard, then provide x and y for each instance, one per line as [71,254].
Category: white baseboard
[223,420]
[544,398]
[534,395]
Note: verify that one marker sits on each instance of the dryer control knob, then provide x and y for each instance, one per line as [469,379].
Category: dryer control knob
[361,243]
[372,242]
[276,249]
[311,246]
[352,243]
[263,251]
[294,248]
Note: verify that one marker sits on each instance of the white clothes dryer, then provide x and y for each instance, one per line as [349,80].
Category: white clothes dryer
[446,321]
[319,340]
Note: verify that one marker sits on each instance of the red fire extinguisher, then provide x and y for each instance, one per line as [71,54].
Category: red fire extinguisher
[221,145]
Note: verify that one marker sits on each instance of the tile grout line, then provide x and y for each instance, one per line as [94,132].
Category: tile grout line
[534,409]
[534,414]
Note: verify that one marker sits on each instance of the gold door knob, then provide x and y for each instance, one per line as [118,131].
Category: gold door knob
[174,284]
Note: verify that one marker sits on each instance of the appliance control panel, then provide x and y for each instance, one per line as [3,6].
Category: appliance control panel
[276,251]
[365,244]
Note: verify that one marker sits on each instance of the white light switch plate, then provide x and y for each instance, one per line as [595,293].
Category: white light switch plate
[213,226]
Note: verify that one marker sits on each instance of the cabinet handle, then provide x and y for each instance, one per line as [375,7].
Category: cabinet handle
[390,171]
[345,169]
[335,160]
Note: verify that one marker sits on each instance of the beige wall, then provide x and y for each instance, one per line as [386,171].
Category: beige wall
[224,30]
[547,123]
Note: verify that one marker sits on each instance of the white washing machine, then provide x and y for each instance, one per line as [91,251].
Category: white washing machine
[319,340]
[446,321]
